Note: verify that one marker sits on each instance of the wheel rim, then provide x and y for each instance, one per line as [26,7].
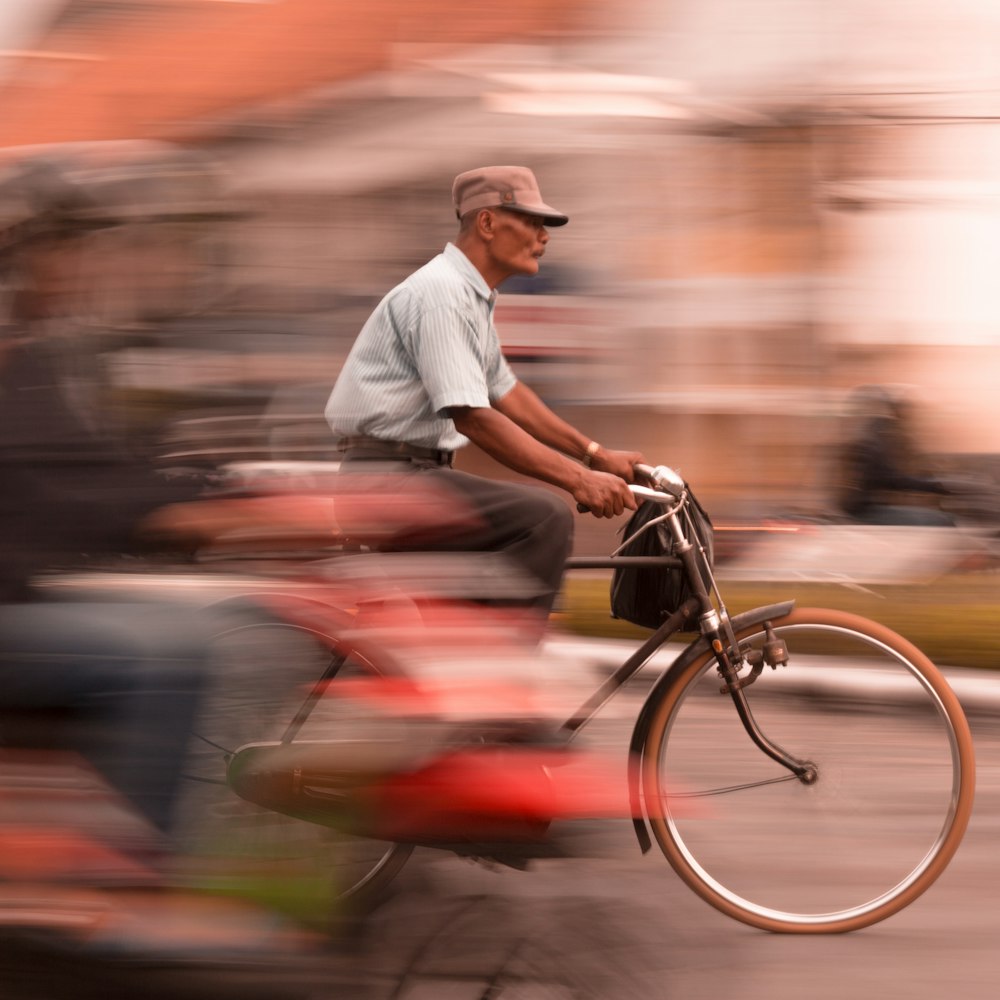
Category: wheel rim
[867,838]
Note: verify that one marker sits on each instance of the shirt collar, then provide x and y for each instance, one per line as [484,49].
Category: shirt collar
[468,270]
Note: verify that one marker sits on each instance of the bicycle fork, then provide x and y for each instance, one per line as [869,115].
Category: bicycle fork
[640,733]
[773,654]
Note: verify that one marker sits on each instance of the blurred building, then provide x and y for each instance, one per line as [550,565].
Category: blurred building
[771,202]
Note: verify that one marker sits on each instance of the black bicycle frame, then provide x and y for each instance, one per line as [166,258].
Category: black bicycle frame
[712,624]
[698,613]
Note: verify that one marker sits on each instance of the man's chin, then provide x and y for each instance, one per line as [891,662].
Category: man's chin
[524,271]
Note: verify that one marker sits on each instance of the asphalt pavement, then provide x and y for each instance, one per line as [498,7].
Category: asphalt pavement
[589,926]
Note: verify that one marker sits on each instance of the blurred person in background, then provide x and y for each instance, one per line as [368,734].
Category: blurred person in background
[884,479]
[116,683]
[426,376]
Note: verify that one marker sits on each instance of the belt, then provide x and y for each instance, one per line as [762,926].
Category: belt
[379,448]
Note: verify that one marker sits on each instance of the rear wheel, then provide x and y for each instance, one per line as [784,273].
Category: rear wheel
[262,672]
[865,831]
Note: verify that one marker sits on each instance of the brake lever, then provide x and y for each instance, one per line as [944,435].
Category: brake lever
[648,493]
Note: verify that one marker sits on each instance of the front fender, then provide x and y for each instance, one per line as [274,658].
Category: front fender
[756,616]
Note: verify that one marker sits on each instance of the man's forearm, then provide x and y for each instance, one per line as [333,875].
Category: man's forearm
[522,406]
[503,439]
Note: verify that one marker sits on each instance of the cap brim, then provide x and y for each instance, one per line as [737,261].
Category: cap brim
[550,215]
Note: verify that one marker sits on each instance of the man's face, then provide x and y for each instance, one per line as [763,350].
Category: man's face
[518,242]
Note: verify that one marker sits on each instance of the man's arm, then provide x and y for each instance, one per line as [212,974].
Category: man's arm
[605,494]
[524,408]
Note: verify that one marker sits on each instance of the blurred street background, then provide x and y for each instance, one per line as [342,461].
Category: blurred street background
[771,204]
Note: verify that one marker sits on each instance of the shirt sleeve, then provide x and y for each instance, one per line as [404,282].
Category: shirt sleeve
[500,377]
[457,365]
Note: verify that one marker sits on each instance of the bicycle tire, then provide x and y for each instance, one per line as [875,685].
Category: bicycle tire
[896,777]
[261,667]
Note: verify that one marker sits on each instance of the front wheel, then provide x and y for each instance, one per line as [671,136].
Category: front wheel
[870,825]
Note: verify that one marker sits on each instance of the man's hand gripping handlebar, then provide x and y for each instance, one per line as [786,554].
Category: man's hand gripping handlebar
[666,482]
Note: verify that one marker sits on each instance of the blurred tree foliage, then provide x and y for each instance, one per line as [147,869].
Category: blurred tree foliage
[954,620]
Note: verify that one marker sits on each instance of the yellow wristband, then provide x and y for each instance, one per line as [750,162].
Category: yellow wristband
[592,449]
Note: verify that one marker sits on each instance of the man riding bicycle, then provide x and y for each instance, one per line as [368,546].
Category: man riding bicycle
[426,376]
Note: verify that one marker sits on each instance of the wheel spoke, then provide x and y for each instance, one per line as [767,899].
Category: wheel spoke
[261,671]
[730,788]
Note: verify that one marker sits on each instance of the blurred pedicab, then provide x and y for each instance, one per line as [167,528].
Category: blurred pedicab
[320,586]
[79,265]
[376,695]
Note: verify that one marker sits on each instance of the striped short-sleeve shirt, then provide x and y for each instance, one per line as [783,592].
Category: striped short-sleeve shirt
[430,344]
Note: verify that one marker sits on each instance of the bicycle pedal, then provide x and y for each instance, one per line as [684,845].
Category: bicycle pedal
[496,861]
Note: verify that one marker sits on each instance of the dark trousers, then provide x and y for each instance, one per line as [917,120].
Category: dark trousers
[530,525]
[117,683]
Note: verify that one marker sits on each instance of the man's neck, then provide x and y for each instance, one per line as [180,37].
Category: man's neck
[482,261]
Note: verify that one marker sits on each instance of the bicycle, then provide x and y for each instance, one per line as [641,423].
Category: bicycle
[848,825]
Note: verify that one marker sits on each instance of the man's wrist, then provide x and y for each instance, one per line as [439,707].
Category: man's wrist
[592,449]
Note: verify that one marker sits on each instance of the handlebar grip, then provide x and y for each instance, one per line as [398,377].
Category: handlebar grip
[668,481]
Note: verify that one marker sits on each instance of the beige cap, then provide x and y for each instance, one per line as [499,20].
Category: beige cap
[514,188]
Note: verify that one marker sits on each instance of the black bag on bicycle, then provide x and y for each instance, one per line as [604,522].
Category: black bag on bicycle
[647,596]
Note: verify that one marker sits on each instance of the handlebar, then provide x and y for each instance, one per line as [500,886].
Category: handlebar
[668,485]
[646,493]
